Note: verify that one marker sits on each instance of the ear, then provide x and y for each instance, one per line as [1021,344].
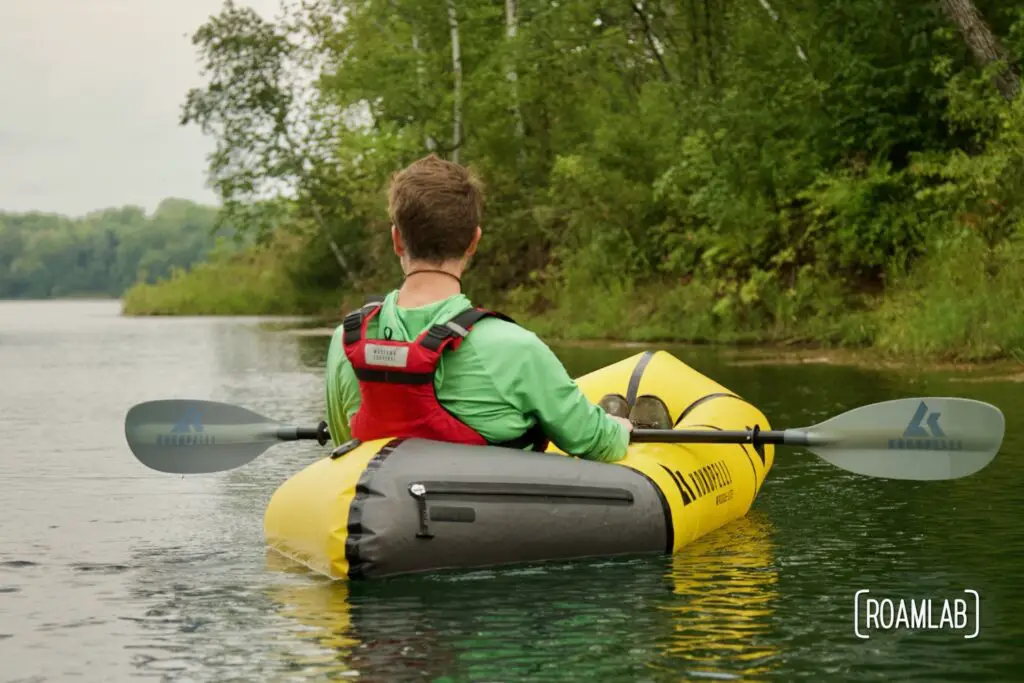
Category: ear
[396,240]
[474,243]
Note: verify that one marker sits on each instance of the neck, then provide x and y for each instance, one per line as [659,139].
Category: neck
[428,283]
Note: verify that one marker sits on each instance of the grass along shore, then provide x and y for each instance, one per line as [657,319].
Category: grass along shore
[961,307]
[252,282]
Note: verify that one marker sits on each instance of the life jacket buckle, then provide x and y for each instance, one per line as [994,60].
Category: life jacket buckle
[435,336]
[457,328]
[352,321]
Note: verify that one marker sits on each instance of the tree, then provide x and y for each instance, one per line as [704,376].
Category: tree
[271,138]
[987,49]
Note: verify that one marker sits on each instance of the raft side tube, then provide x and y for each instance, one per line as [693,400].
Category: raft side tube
[432,506]
[307,517]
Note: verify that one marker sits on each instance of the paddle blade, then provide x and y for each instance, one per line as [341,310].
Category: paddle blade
[923,439]
[196,437]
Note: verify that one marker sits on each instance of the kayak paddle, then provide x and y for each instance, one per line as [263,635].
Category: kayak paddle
[186,436]
[922,439]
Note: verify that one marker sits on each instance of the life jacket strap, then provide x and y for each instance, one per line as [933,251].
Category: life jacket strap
[393,376]
[353,322]
[456,328]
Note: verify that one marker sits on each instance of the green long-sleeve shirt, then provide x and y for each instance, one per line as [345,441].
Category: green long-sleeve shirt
[499,381]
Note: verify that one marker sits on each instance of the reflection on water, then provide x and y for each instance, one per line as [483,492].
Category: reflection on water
[726,591]
[111,572]
[323,609]
[705,613]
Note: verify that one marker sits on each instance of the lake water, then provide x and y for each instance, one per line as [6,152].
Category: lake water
[113,572]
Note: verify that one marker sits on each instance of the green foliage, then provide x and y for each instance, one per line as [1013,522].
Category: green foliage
[252,282]
[861,220]
[695,169]
[963,303]
[102,253]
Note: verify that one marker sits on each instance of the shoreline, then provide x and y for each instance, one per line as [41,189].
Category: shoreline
[739,354]
[943,313]
[782,354]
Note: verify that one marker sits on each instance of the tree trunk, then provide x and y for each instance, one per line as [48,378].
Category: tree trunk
[652,42]
[778,20]
[984,45]
[511,28]
[421,87]
[453,24]
[296,151]
[695,43]
[710,45]
[335,249]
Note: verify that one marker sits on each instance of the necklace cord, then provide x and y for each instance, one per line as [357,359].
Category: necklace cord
[428,270]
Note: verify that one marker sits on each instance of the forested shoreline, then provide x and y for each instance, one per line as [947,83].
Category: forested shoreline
[103,253]
[839,172]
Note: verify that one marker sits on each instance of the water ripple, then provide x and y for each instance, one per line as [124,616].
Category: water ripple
[113,572]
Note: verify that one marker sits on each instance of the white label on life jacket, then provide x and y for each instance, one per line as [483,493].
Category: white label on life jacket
[388,356]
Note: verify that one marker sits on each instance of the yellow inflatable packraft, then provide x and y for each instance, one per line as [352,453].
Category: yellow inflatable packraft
[402,506]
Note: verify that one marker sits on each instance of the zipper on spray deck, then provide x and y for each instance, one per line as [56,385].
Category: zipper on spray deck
[511,492]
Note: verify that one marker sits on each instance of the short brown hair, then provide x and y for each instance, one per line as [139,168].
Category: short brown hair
[436,206]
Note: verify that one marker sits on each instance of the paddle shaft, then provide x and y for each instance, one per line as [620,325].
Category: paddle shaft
[318,433]
[297,433]
[787,438]
[790,437]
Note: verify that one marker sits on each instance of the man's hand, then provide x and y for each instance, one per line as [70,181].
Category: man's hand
[623,421]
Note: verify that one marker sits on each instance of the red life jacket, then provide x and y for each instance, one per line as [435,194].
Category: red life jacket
[396,381]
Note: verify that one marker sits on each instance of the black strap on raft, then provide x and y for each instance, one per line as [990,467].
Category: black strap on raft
[344,448]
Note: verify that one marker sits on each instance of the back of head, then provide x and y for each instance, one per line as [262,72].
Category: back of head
[436,206]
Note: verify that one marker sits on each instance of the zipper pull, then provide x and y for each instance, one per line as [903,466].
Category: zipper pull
[419,492]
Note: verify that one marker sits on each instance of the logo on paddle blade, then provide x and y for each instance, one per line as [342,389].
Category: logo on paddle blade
[188,431]
[192,420]
[916,437]
[914,429]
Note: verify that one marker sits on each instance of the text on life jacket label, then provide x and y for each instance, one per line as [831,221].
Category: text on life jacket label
[388,356]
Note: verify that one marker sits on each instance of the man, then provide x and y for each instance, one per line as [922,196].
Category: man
[424,362]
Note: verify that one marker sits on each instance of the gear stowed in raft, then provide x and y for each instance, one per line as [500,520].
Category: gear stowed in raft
[395,506]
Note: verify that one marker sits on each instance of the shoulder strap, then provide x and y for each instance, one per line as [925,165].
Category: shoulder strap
[502,316]
[457,327]
[353,322]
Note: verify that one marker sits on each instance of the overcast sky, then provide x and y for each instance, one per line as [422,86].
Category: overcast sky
[90,93]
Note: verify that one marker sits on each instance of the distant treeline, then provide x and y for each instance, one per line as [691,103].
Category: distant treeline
[44,255]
